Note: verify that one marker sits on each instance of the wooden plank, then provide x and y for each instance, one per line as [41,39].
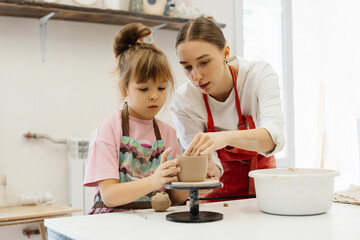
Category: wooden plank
[42,231]
[18,8]
[30,220]
[27,212]
[84,14]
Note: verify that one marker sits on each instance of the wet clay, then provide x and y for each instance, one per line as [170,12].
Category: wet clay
[160,202]
[193,168]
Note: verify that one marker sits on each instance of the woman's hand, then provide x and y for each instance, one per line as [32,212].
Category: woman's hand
[166,171]
[205,143]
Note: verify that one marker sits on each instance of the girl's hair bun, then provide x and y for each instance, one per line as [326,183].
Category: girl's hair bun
[128,36]
[138,60]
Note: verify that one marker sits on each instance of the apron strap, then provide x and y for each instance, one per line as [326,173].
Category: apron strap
[125,120]
[157,130]
[241,125]
[210,122]
[250,121]
[126,125]
[253,166]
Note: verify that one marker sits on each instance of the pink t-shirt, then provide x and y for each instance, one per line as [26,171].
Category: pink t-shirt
[103,158]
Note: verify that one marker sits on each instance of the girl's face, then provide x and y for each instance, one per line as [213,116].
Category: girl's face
[203,64]
[146,99]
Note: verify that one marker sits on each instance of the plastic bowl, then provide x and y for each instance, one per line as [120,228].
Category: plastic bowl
[294,191]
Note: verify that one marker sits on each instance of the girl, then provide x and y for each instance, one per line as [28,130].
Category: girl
[127,160]
[231,108]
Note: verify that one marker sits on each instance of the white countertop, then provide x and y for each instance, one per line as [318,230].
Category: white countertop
[242,220]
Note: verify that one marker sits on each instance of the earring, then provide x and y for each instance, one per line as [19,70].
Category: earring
[225,61]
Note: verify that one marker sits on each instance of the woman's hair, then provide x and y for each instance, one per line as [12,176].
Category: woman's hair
[139,60]
[201,29]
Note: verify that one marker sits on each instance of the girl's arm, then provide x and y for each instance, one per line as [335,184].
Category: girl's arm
[115,193]
[258,140]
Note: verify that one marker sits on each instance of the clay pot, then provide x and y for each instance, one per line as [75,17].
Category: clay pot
[193,168]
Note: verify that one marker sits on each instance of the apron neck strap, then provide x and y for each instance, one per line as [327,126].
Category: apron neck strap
[157,130]
[126,125]
[210,122]
[237,101]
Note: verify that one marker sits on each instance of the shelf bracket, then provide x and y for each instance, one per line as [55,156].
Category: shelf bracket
[154,29]
[157,27]
[43,22]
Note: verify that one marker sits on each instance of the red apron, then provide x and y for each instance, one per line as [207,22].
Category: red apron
[237,162]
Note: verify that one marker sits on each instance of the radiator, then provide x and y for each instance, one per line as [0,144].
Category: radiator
[78,195]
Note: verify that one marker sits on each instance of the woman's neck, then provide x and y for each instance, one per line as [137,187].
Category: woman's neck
[226,86]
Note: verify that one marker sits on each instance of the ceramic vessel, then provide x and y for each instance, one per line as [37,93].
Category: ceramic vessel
[294,191]
[136,6]
[193,168]
[111,4]
[156,8]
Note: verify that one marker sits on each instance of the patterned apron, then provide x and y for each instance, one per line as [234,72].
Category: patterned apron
[236,162]
[135,162]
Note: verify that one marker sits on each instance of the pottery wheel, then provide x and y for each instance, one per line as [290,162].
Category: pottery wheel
[194,215]
[206,183]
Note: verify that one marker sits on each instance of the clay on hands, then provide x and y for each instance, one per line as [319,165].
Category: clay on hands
[160,202]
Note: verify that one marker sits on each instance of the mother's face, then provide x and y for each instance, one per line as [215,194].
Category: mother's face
[203,64]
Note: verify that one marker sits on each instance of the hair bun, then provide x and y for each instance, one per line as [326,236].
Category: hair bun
[128,36]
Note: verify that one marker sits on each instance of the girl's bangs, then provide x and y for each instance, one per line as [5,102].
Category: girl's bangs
[155,69]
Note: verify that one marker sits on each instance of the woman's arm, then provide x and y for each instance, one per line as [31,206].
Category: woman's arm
[115,193]
[268,137]
[258,140]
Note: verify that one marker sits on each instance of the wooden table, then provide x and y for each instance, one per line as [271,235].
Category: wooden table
[33,214]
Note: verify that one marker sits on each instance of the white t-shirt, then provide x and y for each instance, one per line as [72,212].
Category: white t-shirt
[259,95]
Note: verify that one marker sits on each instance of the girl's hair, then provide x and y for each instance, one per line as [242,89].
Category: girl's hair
[201,29]
[135,59]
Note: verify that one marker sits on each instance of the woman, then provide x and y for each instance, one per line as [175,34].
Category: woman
[230,109]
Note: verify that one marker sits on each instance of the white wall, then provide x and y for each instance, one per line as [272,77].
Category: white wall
[66,96]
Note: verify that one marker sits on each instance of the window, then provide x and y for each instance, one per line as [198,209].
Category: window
[325,125]
[266,36]
[326,94]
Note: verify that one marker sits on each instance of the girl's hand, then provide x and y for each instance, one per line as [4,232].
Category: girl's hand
[166,171]
[211,168]
[205,143]
[211,173]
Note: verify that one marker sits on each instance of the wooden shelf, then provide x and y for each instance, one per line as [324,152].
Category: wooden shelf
[32,9]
